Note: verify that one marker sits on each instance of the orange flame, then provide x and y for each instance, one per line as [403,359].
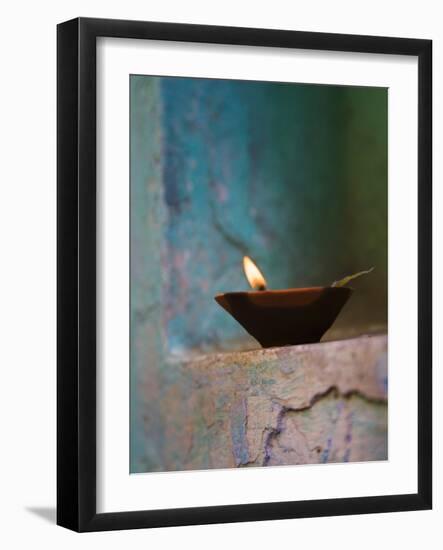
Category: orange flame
[253,274]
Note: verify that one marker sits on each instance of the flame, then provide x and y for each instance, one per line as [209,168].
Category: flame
[253,274]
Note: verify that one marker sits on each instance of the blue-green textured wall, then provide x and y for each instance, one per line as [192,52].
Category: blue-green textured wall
[294,176]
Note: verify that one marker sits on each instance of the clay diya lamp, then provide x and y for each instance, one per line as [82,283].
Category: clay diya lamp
[285,317]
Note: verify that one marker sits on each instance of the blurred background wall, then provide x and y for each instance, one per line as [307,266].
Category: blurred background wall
[294,176]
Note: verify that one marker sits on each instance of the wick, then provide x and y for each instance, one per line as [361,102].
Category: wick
[261,287]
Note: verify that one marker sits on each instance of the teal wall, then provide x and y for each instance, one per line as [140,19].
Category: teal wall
[294,176]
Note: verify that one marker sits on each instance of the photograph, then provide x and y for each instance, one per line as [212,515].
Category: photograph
[220,275]
[258,273]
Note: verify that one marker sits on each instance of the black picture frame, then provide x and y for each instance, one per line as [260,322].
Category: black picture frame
[76,279]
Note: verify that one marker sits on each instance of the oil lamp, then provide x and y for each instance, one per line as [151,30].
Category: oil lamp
[285,317]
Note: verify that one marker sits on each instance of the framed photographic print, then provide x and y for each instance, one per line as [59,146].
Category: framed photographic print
[244,274]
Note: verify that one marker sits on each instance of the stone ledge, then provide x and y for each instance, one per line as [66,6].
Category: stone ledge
[353,365]
[306,404]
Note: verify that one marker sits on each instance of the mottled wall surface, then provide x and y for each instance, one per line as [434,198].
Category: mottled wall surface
[367,199]
[294,176]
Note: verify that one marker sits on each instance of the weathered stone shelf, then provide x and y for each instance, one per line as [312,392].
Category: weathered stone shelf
[306,404]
